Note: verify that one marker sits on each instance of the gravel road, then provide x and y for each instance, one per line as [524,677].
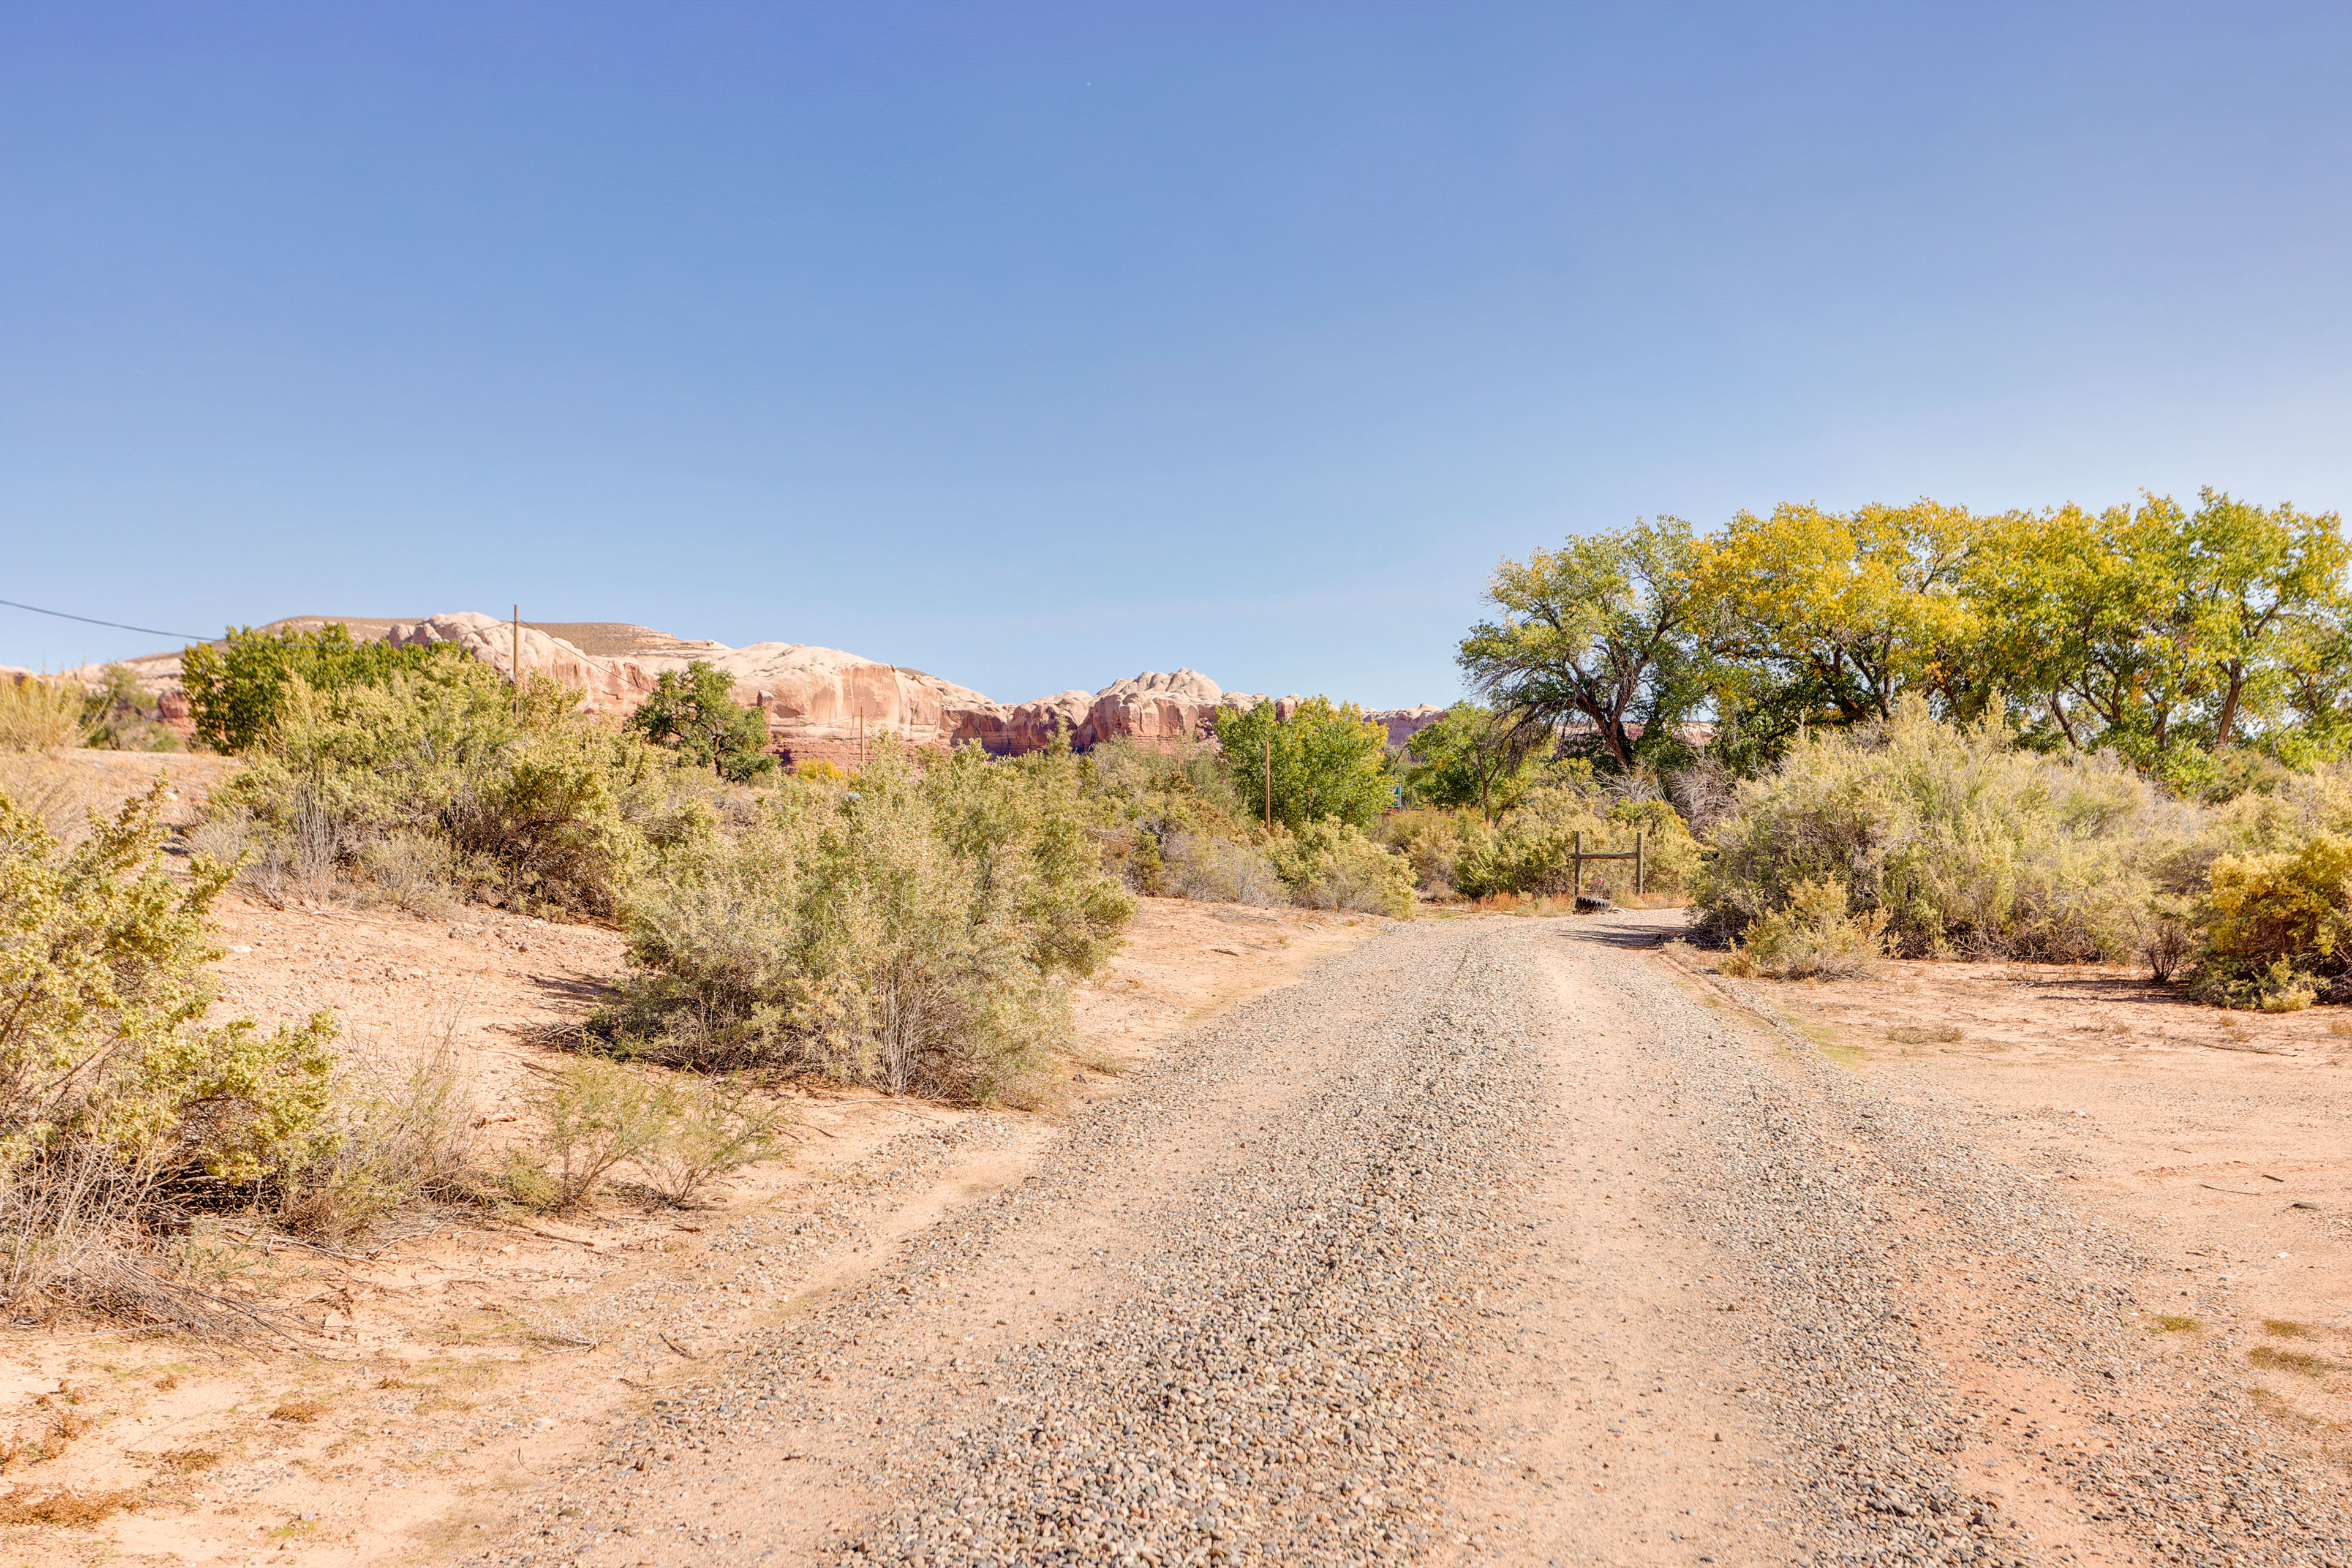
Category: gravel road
[1491,1240]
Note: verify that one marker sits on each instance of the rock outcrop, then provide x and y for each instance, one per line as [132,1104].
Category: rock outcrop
[1403,723]
[822,704]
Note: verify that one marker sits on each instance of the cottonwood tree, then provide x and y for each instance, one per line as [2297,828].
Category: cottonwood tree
[2162,632]
[1325,760]
[1826,618]
[1601,631]
[1467,759]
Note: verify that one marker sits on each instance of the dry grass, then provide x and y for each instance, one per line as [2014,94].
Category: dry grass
[40,715]
[302,1412]
[2285,1329]
[188,1461]
[57,794]
[2302,1362]
[2166,1324]
[1924,1034]
[61,1505]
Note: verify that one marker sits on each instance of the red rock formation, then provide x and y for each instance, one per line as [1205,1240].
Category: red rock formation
[821,704]
[1403,723]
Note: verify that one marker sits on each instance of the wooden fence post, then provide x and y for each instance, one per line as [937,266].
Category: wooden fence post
[1637,862]
[1580,863]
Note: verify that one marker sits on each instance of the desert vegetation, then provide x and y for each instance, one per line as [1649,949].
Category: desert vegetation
[2061,735]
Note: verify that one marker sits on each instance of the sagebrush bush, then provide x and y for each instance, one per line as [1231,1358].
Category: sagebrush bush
[446,784]
[906,935]
[398,1130]
[1816,935]
[1967,845]
[1142,800]
[716,1127]
[116,1099]
[121,716]
[1531,849]
[1212,870]
[1333,865]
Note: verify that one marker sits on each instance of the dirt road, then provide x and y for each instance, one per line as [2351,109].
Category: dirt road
[1492,1240]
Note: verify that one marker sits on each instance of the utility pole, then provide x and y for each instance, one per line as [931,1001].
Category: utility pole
[515,675]
[1270,781]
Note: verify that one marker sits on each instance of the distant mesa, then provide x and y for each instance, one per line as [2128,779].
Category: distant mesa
[822,704]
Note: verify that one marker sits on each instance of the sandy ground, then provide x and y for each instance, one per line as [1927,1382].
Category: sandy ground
[2219,1141]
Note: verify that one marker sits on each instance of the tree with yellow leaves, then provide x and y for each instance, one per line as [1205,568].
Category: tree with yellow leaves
[1822,618]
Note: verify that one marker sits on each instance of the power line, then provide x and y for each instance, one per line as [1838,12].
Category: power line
[117,625]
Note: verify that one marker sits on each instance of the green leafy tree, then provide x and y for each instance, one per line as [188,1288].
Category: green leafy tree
[2164,633]
[237,687]
[1599,632]
[1324,761]
[1467,759]
[693,713]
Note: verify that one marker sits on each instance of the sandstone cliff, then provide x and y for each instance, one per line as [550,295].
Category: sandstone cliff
[822,704]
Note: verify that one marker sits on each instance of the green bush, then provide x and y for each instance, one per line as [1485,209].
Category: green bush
[906,935]
[446,782]
[2280,933]
[1333,865]
[1816,935]
[1468,760]
[694,713]
[116,1099]
[1532,850]
[102,960]
[1966,844]
[237,688]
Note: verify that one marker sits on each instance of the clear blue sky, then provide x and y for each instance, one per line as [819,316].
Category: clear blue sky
[1034,345]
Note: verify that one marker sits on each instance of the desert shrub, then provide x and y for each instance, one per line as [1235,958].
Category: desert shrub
[237,688]
[399,1130]
[1143,799]
[40,715]
[1433,842]
[905,936]
[1816,935]
[448,783]
[121,716]
[1333,865]
[2280,933]
[598,1115]
[716,1126]
[1966,844]
[1214,870]
[54,792]
[694,713]
[1533,849]
[113,1093]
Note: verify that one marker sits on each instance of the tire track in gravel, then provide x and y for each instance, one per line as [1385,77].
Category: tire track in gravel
[1484,1242]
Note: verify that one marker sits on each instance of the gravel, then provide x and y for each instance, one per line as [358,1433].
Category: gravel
[1268,1257]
